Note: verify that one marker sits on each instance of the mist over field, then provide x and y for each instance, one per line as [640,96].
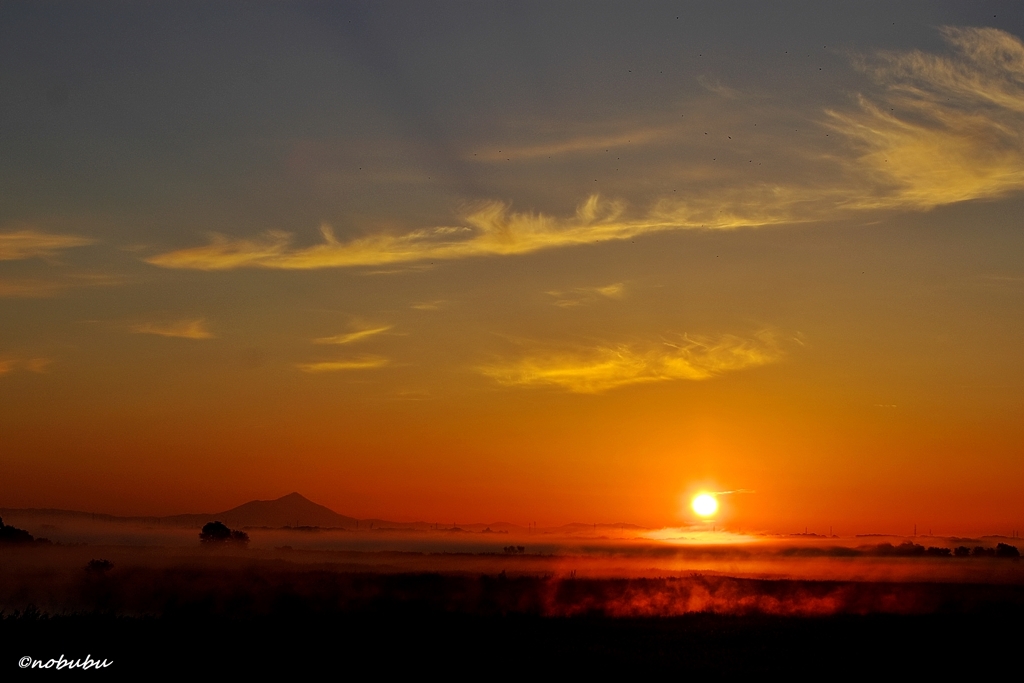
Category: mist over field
[66,572]
[672,558]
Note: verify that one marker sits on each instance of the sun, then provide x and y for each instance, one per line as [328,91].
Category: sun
[705,505]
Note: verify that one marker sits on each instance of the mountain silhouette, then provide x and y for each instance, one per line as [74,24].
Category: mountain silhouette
[292,510]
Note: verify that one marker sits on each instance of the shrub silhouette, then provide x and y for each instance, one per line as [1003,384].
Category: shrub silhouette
[962,551]
[99,566]
[214,533]
[10,534]
[1006,550]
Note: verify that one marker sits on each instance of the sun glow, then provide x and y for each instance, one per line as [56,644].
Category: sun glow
[705,504]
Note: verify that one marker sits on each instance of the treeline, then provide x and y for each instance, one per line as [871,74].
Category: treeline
[910,549]
[905,549]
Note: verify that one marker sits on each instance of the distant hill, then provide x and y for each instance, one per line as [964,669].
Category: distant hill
[292,510]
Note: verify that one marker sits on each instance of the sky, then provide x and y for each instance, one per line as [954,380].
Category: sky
[526,261]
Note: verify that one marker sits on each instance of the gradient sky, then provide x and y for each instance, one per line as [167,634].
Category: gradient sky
[523,261]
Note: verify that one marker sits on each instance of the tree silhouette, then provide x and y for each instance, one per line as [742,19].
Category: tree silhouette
[214,533]
[1007,550]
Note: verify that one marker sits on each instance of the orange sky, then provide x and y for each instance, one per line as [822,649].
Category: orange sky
[554,266]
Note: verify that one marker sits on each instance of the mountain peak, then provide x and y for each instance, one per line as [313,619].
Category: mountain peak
[292,510]
[294,495]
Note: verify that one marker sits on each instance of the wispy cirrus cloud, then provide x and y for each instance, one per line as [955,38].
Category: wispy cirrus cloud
[717,87]
[935,130]
[435,305]
[182,329]
[350,337]
[579,296]
[25,244]
[947,129]
[601,368]
[359,363]
[574,145]
[492,230]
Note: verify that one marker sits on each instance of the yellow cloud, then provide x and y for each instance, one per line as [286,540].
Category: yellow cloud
[25,244]
[352,336]
[602,368]
[579,296]
[939,130]
[184,329]
[949,129]
[613,291]
[361,363]
[491,230]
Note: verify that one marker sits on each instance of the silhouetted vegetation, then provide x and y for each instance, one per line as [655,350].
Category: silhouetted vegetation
[99,566]
[514,550]
[910,549]
[215,533]
[1006,550]
[14,536]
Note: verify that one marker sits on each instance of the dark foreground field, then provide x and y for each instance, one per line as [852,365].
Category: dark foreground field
[421,643]
[263,617]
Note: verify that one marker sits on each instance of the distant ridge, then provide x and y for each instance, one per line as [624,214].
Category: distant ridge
[292,510]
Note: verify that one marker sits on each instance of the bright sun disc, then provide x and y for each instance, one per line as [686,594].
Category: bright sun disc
[705,505]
